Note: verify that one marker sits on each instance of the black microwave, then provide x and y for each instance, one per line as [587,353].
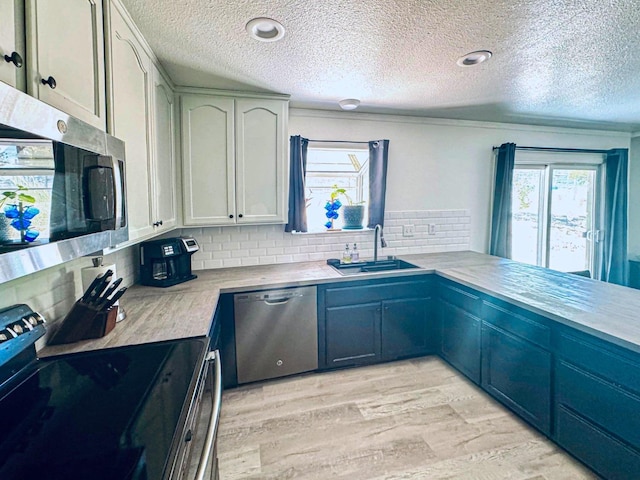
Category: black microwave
[62,186]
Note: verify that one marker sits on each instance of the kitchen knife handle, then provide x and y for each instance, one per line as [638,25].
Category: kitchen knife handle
[112,288]
[87,294]
[114,299]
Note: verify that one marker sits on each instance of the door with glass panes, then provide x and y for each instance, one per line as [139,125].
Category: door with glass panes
[555,216]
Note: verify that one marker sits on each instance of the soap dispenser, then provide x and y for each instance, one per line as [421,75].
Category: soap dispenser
[346,255]
[355,254]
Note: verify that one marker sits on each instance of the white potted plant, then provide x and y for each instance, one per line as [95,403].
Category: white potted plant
[353,213]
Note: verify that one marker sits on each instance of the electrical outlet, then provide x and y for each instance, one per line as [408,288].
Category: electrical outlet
[408,230]
[432,229]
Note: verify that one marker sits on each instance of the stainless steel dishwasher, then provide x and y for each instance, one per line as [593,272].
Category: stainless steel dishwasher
[276,333]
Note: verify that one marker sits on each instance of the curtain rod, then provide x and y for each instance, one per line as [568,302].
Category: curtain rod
[336,141]
[559,150]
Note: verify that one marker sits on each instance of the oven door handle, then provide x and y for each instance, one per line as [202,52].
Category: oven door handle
[207,450]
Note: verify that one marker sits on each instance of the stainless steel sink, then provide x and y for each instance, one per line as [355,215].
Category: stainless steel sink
[389,264]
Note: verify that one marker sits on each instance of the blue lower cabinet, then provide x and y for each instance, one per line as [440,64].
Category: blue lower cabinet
[352,335]
[460,339]
[597,404]
[407,328]
[604,453]
[518,374]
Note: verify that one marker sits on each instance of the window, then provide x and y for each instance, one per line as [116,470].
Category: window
[555,211]
[327,167]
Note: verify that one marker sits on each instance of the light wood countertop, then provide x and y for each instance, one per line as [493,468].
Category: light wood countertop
[186,310]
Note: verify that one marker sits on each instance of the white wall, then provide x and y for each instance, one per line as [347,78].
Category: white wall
[443,164]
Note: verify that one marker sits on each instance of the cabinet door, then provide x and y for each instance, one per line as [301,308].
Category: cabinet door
[12,43]
[352,334]
[66,43]
[407,327]
[208,172]
[518,373]
[260,160]
[130,71]
[164,164]
[460,339]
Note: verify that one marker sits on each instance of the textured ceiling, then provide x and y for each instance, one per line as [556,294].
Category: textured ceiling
[555,62]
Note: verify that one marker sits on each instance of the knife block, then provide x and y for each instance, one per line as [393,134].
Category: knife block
[84,322]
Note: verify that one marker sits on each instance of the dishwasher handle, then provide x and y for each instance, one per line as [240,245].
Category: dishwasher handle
[277,301]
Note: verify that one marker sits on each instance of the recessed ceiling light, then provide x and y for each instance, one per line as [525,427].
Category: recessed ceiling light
[474,58]
[349,103]
[265,29]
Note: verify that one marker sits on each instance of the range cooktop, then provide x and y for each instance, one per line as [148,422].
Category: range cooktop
[110,414]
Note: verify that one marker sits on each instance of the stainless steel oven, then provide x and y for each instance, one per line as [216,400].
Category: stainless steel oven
[197,458]
[141,412]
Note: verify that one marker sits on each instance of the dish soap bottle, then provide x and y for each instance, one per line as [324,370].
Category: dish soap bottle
[355,254]
[346,255]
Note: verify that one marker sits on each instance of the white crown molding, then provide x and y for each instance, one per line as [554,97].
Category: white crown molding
[382,117]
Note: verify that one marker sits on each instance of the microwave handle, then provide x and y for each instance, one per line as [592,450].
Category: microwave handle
[207,450]
[119,179]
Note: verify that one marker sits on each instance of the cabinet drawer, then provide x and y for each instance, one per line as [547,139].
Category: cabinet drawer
[366,292]
[604,404]
[613,363]
[606,455]
[460,298]
[517,322]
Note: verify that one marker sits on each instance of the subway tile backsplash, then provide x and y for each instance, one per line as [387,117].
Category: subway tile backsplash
[53,291]
[236,246]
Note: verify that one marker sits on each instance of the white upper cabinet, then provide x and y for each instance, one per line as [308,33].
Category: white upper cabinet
[164,165]
[12,48]
[129,119]
[208,154]
[260,160]
[65,57]
[234,160]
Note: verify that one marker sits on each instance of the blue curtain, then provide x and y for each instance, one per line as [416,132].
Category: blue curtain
[297,171]
[614,250]
[501,216]
[378,160]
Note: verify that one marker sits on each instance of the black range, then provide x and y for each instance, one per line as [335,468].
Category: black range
[122,413]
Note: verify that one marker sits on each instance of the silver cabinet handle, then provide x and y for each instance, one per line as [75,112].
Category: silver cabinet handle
[207,450]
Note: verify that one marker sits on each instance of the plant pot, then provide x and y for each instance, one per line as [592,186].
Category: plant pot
[352,216]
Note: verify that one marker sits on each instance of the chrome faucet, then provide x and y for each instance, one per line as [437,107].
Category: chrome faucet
[383,243]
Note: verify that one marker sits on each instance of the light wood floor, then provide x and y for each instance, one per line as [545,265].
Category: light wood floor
[413,419]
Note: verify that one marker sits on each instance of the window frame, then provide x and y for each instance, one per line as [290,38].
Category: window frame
[547,163]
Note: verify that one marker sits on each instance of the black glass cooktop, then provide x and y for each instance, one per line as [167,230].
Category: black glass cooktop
[110,414]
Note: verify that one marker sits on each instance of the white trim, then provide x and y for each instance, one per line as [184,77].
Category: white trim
[383,117]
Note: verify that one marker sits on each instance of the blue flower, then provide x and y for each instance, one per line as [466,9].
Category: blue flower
[11,211]
[328,225]
[30,212]
[31,235]
[21,224]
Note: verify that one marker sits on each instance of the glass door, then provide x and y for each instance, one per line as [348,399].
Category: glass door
[554,216]
[572,222]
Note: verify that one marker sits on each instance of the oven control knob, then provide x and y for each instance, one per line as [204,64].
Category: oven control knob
[17,328]
[6,335]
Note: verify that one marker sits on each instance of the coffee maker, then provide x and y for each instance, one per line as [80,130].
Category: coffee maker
[167,261]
